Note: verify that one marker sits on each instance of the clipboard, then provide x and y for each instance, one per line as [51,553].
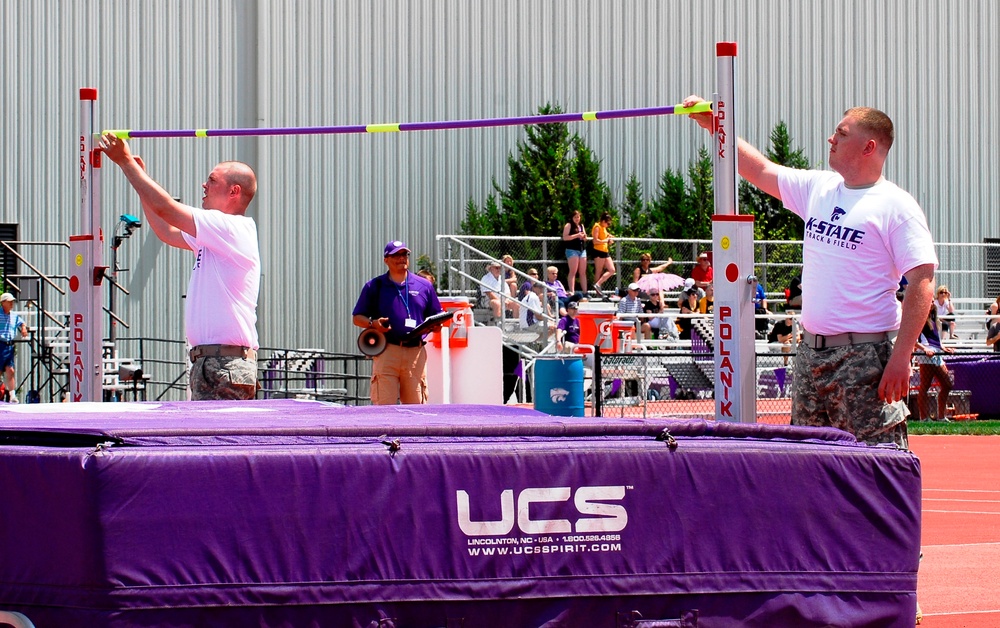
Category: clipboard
[429,322]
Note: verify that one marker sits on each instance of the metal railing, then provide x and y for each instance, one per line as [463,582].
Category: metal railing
[971,270]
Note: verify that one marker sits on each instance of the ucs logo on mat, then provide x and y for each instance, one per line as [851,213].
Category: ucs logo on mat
[590,507]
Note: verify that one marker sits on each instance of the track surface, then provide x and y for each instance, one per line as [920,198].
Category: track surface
[959,579]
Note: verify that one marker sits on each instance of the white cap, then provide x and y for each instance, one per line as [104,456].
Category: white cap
[6,296]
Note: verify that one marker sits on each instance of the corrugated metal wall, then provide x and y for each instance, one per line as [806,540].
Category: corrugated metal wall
[327,204]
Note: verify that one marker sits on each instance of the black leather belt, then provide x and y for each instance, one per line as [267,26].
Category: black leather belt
[9,343]
[815,341]
[409,344]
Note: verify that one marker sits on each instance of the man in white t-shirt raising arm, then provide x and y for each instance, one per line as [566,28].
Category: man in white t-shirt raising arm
[221,309]
[862,233]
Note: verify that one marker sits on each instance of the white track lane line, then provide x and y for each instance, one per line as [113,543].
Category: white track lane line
[953,613]
[962,512]
[959,490]
[990,544]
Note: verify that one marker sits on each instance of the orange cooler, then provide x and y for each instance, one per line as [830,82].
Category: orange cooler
[615,336]
[592,317]
[459,324]
[622,336]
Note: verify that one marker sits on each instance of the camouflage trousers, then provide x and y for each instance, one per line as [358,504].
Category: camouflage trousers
[229,377]
[838,387]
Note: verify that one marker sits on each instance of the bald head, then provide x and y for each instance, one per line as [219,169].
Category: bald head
[239,173]
[229,188]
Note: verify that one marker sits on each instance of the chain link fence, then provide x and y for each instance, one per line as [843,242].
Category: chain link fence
[681,384]
[462,261]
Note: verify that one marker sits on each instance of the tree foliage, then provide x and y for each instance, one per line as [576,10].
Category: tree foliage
[634,211]
[700,197]
[772,221]
[668,209]
[553,173]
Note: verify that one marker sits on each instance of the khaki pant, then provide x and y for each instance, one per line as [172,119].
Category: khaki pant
[399,375]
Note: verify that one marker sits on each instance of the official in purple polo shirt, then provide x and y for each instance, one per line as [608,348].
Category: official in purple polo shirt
[396,303]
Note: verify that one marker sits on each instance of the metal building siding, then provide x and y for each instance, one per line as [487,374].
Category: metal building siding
[326,205]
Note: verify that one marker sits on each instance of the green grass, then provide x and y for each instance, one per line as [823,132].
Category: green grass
[972,428]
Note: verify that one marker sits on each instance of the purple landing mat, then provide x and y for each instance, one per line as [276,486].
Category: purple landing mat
[288,513]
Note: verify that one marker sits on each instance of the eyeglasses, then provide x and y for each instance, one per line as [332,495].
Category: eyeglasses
[400,254]
[532,274]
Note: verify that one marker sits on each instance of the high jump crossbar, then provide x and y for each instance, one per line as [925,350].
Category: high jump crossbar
[732,234]
[398,127]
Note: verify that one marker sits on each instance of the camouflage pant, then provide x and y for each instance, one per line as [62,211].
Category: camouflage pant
[838,387]
[223,378]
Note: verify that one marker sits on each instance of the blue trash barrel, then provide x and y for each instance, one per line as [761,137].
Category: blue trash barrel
[559,385]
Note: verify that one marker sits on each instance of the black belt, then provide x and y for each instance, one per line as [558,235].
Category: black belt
[9,343]
[409,344]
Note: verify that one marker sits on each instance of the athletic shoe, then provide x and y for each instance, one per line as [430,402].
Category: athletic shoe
[920,615]
[13,398]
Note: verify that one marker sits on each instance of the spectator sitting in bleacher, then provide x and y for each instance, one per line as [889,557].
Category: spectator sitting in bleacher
[993,314]
[703,274]
[793,293]
[688,304]
[509,276]
[706,304]
[782,332]
[530,316]
[493,286]
[643,268]
[945,311]
[993,335]
[659,327]
[528,283]
[631,304]
[556,288]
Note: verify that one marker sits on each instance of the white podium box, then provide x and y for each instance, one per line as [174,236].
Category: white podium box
[467,375]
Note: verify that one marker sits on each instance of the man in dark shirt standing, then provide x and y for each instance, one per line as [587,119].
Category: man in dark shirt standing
[395,304]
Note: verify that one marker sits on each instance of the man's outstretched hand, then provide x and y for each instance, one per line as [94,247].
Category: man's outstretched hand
[116,149]
[704,120]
